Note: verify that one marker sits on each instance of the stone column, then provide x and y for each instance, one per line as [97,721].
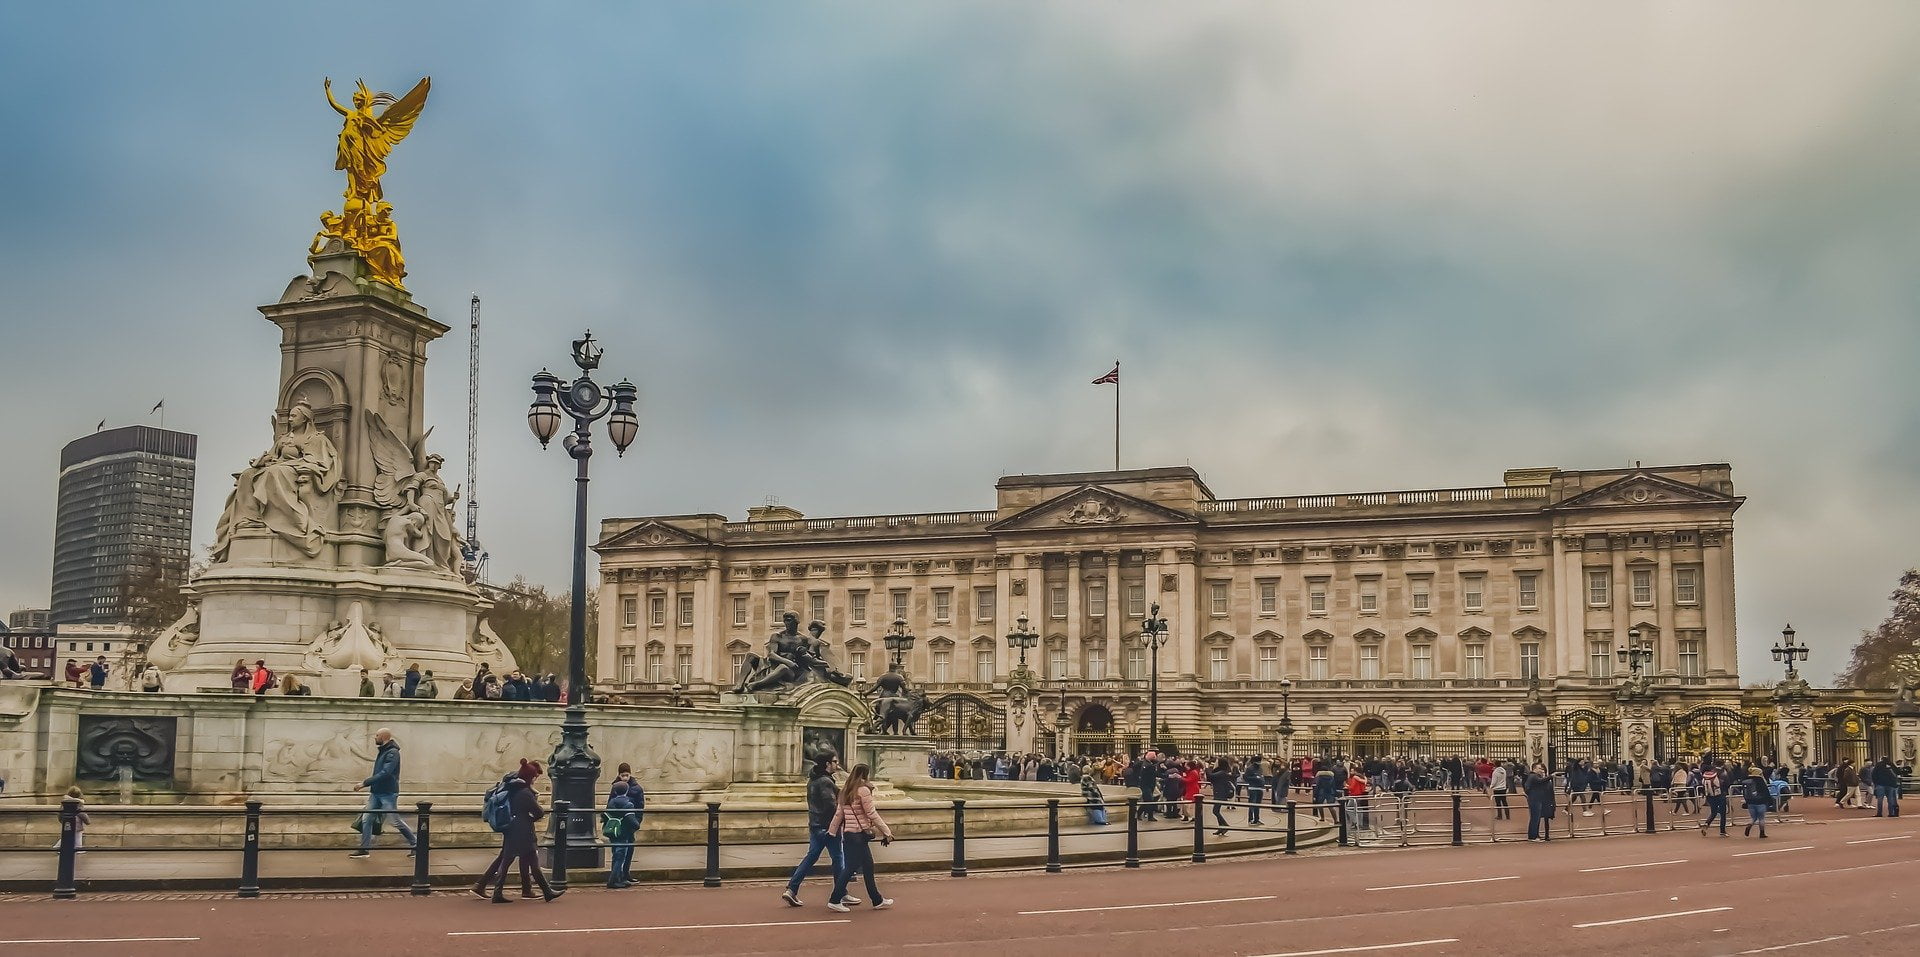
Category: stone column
[1075,613]
[1620,588]
[707,627]
[1906,732]
[1636,730]
[1669,660]
[1793,714]
[1718,604]
[1186,615]
[1004,615]
[1569,608]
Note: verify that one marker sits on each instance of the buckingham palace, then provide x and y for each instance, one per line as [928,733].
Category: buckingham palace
[1367,620]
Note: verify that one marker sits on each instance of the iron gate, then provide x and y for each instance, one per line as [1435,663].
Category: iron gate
[1723,731]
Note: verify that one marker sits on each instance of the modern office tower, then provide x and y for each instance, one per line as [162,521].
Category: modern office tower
[126,499]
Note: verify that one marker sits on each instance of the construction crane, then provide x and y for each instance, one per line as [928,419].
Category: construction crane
[475,555]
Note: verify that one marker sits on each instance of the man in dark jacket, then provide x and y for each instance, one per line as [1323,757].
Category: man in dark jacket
[1886,789]
[1540,810]
[383,794]
[1145,775]
[822,796]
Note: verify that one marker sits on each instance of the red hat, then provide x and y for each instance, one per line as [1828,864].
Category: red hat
[529,770]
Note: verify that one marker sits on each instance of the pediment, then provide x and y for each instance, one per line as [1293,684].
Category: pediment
[652,535]
[1642,489]
[1092,506]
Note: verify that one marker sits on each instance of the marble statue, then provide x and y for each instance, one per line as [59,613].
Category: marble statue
[418,527]
[816,656]
[169,649]
[897,705]
[286,490]
[791,659]
[365,223]
[486,648]
[350,644]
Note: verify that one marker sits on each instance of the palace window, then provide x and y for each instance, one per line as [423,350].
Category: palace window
[943,605]
[983,665]
[1370,662]
[1056,662]
[1529,659]
[656,664]
[630,611]
[686,611]
[1267,666]
[1269,598]
[1316,596]
[1369,551]
[899,597]
[1096,663]
[1692,654]
[1476,660]
[1136,666]
[817,606]
[1217,595]
[1217,664]
[1599,655]
[739,664]
[683,666]
[1136,601]
[657,611]
[857,663]
[1473,592]
[1097,600]
[1420,594]
[1317,662]
[739,611]
[942,665]
[857,607]
[1369,595]
[627,670]
[1686,586]
[777,606]
[983,606]
[1529,591]
[1057,601]
[1643,586]
[1597,588]
[1422,661]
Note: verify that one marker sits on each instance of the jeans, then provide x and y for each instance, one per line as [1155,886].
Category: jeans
[1716,808]
[619,872]
[379,806]
[1757,814]
[1253,804]
[1539,818]
[859,857]
[1886,799]
[818,840]
[1501,810]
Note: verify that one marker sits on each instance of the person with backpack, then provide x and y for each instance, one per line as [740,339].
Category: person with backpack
[262,677]
[822,801]
[521,838]
[1759,799]
[1714,790]
[620,822]
[496,808]
[383,792]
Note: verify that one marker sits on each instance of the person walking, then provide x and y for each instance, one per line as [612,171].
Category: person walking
[1497,785]
[1759,799]
[1144,774]
[858,824]
[822,801]
[1221,778]
[621,823]
[521,840]
[1256,789]
[1715,791]
[383,793]
[1886,789]
[1540,810]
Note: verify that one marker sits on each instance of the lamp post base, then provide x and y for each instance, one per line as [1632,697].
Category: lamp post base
[575,770]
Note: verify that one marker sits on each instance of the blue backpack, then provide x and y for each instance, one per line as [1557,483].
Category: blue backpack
[496,808]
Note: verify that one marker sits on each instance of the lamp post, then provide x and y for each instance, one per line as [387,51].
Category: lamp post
[1154,632]
[1060,725]
[1788,652]
[899,641]
[1022,638]
[1634,654]
[574,766]
[1286,718]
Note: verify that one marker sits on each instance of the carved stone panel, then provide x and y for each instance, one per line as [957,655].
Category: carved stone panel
[110,742]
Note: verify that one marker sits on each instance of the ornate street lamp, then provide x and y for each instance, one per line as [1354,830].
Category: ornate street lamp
[1022,638]
[1060,725]
[574,766]
[1154,632]
[1286,717]
[899,641]
[1634,654]
[1790,653]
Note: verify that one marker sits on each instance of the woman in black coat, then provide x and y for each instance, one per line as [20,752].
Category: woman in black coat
[1540,809]
[522,837]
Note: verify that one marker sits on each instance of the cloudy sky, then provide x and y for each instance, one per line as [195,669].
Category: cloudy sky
[866,257]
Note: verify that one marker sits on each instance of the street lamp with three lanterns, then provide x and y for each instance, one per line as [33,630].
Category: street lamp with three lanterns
[1153,631]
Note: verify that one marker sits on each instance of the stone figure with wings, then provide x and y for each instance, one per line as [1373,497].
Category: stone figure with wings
[366,140]
[419,521]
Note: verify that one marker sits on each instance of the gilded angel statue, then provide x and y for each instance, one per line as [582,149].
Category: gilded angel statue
[365,222]
[419,526]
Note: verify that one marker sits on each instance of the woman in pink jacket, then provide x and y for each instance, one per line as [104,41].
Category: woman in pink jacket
[858,824]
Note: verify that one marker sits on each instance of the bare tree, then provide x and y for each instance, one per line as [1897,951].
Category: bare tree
[150,593]
[1873,655]
[532,621]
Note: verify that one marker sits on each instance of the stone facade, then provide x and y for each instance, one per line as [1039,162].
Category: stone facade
[1417,614]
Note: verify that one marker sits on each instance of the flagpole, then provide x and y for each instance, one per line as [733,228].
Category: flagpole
[1116,415]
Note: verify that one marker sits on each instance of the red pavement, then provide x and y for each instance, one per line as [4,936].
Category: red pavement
[1837,885]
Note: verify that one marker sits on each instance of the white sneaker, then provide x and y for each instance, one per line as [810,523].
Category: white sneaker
[850,901]
[883,903]
[836,908]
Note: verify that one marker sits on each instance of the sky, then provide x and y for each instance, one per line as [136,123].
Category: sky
[866,257]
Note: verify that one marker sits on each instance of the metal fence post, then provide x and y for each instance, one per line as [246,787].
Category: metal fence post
[1457,837]
[422,846]
[562,812]
[1053,835]
[959,868]
[250,853]
[63,889]
[1133,832]
[1649,810]
[1340,814]
[1199,830]
[713,845]
[1292,829]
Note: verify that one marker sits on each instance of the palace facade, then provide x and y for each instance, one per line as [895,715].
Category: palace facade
[1408,620]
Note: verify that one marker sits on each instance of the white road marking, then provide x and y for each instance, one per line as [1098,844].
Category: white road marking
[1804,943]
[1086,910]
[1636,920]
[1777,850]
[624,930]
[100,940]
[1477,880]
[1876,840]
[1622,867]
[1356,950]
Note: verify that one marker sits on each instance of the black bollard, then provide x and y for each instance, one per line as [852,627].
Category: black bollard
[63,889]
[1649,810]
[1133,832]
[713,845]
[1053,835]
[250,853]
[1457,837]
[1293,846]
[1340,814]
[1199,830]
[561,810]
[422,846]
[959,868]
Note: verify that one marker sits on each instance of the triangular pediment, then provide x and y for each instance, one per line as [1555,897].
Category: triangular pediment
[1092,506]
[652,535]
[1642,489]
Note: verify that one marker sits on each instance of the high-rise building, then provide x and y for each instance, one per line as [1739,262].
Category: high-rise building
[126,499]
[30,619]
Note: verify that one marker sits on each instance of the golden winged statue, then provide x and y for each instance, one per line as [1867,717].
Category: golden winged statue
[364,223]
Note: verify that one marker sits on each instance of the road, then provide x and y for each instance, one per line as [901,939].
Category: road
[1834,885]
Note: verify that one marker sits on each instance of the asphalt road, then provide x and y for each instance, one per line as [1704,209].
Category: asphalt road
[1832,886]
